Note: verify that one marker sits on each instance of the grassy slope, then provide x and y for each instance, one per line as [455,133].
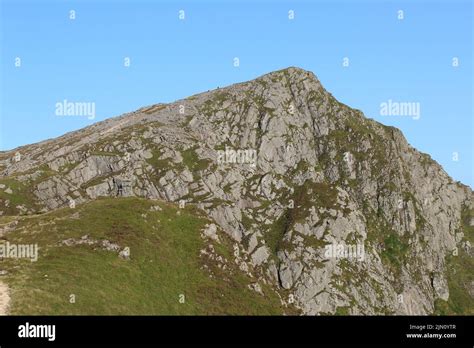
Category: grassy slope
[164,263]
[460,276]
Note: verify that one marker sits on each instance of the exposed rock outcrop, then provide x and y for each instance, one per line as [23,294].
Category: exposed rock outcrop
[327,205]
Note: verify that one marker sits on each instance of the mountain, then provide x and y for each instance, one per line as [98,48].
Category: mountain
[264,197]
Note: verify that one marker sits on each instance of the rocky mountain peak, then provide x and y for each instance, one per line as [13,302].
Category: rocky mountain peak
[324,205]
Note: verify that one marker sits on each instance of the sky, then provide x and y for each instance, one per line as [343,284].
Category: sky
[366,53]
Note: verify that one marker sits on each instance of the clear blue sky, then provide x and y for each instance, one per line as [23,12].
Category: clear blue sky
[82,60]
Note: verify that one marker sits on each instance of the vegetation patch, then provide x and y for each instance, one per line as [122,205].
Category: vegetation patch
[193,162]
[164,275]
[460,275]
[21,195]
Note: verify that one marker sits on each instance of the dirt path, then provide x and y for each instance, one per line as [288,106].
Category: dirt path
[4,298]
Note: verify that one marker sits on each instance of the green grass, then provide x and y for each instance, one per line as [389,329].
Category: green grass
[164,264]
[345,310]
[395,251]
[66,168]
[392,247]
[466,216]
[192,161]
[460,276]
[21,195]
[104,153]
[304,197]
[157,163]
[274,235]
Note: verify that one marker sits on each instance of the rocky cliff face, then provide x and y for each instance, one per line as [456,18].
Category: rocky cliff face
[336,212]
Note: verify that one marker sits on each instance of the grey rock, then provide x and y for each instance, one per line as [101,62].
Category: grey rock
[210,231]
[260,256]
[125,253]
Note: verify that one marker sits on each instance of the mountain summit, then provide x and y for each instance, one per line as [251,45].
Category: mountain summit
[270,186]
